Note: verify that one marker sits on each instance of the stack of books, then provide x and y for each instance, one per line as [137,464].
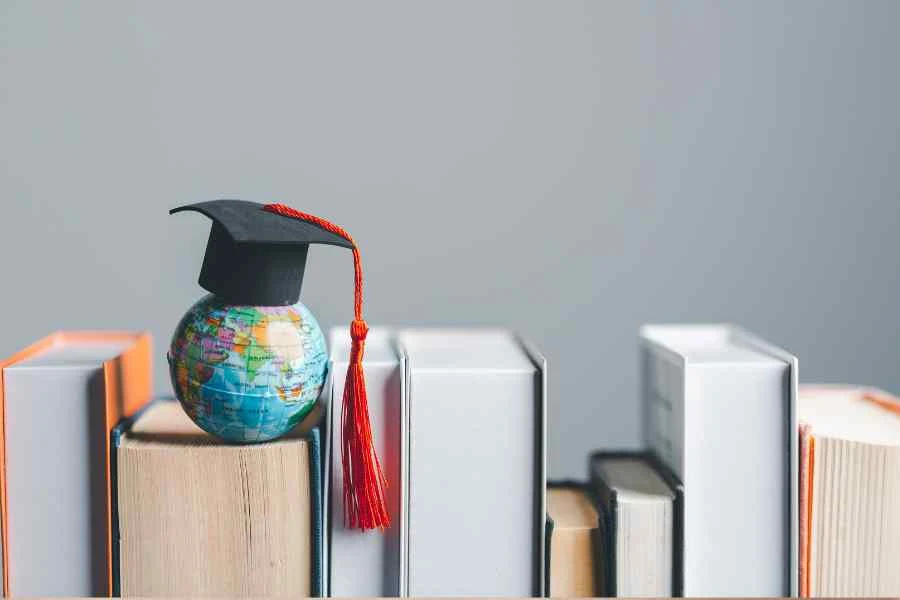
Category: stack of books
[746,483]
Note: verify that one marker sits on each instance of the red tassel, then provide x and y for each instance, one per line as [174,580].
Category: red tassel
[364,481]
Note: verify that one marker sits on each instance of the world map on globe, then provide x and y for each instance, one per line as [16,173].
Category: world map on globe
[247,373]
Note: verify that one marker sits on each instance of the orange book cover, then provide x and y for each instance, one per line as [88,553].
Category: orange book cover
[127,385]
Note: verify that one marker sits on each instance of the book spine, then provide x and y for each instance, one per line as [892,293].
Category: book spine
[316,514]
[541,543]
[367,564]
[548,535]
[115,440]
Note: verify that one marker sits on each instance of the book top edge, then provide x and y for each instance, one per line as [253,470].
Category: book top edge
[465,350]
[380,346]
[715,344]
[78,349]
[571,508]
[850,413]
[165,425]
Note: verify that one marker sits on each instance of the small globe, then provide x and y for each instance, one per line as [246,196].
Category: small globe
[247,373]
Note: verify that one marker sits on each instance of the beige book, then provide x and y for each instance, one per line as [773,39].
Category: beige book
[575,522]
[201,518]
[849,491]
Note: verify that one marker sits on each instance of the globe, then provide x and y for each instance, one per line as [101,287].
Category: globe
[247,373]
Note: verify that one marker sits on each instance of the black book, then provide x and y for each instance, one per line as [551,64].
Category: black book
[639,501]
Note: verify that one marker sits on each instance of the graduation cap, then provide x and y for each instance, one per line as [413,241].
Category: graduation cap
[255,256]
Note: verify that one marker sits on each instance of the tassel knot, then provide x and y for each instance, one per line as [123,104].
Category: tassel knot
[358,330]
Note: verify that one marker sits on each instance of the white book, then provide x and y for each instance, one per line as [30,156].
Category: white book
[719,411]
[368,564]
[477,473]
[60,397]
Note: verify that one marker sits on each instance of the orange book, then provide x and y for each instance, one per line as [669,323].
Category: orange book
[59,399]
[849,491]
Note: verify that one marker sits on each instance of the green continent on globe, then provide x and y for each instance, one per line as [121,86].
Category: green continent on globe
[247,373]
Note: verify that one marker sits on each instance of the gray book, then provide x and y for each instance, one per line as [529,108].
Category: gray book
[719,412]
[367,564]
[476,463]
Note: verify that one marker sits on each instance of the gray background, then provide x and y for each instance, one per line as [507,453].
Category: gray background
[568,169]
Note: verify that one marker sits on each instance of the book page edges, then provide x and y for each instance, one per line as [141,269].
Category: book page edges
[807,446]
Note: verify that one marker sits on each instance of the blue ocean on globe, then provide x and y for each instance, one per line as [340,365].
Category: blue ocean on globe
[247,373]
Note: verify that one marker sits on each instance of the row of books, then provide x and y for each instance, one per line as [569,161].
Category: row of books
[106,492]
[747,484]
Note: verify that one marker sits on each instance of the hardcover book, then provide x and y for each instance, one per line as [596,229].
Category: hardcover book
[198,517]
[719,412]
[640,504]
[476,463]
[59,399]
[849,491]
[573,541]
[368,564]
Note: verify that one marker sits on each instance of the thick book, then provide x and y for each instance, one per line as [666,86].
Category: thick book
[849,491]
[198,517]
[476,469]
[59,399]
[573,527]
[368,564]
[639,502]
[719,411]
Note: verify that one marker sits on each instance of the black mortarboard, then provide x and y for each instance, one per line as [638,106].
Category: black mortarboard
[254,256]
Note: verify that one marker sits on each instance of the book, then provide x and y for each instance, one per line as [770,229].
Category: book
[849,491]
[639,533]
[368,564]
[198,517]
[59,399]
[476,463]
[719,412]
[573,529]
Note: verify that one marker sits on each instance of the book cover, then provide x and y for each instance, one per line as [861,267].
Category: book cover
[719,408]
[606,503]
[476,463]
[368,564]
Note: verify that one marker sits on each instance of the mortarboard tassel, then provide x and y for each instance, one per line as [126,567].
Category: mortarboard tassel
[364,480]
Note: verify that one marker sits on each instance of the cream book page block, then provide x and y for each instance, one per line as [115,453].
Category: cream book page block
[201,518]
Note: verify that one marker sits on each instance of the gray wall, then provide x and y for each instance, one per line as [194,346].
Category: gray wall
[571,170]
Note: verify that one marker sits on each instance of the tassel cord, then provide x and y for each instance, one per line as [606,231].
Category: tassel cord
[364,481]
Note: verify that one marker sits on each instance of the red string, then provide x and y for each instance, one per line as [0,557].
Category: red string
[364,480]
